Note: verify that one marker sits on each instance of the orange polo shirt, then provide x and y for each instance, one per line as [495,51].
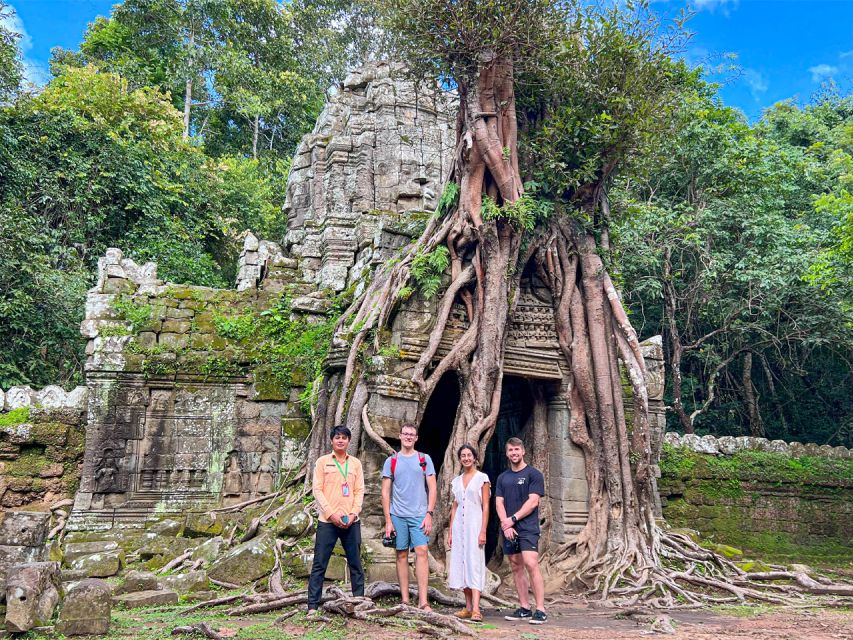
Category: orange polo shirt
[327,486]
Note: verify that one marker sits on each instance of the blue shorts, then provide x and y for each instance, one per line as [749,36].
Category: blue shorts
[409,532]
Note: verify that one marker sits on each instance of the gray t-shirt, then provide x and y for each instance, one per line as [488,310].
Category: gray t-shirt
[408,491]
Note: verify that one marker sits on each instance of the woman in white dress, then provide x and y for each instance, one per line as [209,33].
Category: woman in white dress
[469,518]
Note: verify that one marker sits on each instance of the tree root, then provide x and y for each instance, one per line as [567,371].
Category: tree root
[201,628]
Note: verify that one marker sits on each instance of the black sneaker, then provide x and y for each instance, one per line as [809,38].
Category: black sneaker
[540,617]
[520,614]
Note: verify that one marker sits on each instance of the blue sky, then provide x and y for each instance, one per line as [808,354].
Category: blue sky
[783,48]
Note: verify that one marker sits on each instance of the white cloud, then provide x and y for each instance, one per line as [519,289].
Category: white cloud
[757,83]
[724,6]
[34,72]
[822,71]
[845,54]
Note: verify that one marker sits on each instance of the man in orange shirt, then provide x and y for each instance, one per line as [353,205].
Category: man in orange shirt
[338,487]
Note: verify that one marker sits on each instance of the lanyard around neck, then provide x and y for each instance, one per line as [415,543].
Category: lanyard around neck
[343,471]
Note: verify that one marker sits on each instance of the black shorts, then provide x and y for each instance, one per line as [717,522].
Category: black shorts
[527,542]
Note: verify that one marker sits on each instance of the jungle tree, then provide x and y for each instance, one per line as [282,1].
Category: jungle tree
[586,87]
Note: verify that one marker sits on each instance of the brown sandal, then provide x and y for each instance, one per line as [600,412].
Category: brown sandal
[463,614]
[476,616]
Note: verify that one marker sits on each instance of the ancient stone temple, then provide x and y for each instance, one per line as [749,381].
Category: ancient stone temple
[182,415]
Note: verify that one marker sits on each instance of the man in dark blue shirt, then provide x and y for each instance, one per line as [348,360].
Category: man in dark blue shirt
[517,494]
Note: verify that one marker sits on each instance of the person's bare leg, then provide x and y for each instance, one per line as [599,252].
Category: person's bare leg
[422,575]
[531,563]
[403,574]
[519,575]
[468,599]
[475,599]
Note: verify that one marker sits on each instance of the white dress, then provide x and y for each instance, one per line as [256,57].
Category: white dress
[467,557]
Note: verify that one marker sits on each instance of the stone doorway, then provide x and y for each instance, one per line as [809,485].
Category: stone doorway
[439,416]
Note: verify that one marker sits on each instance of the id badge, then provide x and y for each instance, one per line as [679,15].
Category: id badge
[345,489]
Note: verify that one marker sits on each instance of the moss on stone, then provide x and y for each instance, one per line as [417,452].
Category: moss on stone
[15,416]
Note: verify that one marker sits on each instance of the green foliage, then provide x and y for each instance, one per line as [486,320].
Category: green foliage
[11,69]
[239,328]
[292,348]
[219,367]
[722,234]
[15,416]
[449,200]
[611,87]
[525,213]
[137,314]
[428,268]
[93,163]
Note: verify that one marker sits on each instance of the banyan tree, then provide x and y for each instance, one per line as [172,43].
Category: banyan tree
[552,100]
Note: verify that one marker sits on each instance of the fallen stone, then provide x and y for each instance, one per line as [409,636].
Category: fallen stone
[100,565]
[32,593]
[136,581]
[86,610]
[292,522]
[166,528]
[23,528]
[209,550]
[185,582]
[202,525]
[75,550]
[166,547]
[149,598]
[246,562]
[201,596]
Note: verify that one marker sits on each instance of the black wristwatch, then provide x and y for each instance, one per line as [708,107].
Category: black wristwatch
[429,513]
[514,519]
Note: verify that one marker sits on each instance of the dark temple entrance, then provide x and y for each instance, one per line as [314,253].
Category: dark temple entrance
[515,412]
[439,416]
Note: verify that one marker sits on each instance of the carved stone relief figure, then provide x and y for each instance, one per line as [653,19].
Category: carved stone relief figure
[265,475]
[107,474]
[232,484]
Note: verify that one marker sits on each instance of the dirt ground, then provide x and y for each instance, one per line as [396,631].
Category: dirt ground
[585,624]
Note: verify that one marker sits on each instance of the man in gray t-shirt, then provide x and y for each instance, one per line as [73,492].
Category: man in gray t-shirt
[408,500]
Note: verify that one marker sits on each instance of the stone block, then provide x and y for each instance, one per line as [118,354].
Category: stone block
[75,550]
[86,610]
[202,525]
[167,527]
[172,340]
[208,550]
[185,582]
[11,555]
[136,581]
[246,562]
[18,397]
[146,599]
[99,565]
[292,522]
[32,593]
[23,528]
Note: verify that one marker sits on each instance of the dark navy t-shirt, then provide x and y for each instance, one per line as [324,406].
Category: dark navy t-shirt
[515,487]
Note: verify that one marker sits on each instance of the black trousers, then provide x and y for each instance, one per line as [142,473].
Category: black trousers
[324,542]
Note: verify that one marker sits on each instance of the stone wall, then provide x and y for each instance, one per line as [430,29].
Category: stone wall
[176,419]
[776,500]
[41,445]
